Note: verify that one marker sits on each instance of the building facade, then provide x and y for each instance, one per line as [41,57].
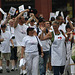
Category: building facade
[43,6]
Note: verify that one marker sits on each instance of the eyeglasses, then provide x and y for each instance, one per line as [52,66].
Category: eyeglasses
[55,25]
[47,23]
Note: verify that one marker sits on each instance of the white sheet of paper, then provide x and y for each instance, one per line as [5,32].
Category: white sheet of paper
[12,11]
[21,8]
[2,11]
[62,14]
[22,62]
[57,13]
[52,15]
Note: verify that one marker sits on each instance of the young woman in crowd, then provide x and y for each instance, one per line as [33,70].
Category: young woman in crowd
[30,47]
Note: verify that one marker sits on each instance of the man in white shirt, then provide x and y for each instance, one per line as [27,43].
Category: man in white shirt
[20,28]
[20,31]
[5,52]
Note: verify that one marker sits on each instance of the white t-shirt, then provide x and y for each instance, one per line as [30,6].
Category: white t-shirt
[30,43]
[6,43]
[20,32]
[11,31]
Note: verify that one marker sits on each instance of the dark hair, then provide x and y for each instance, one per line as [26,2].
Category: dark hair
[29,29]
[3,26]
[68,26]
[58,17]
[52,19]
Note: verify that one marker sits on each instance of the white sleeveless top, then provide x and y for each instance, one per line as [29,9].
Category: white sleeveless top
[58,55]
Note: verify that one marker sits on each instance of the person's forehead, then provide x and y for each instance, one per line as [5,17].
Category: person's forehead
[54,24]
[47,22]
[61,17]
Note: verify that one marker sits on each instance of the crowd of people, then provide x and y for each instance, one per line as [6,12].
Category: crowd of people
[44,45]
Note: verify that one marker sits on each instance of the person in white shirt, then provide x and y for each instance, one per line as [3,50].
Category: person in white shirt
[6,46]
[45,46]
[20,29]
[30,47]
[1,40]
[68,50]
[20,32]
[13,57]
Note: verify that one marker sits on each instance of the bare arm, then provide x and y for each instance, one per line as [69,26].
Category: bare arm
[17,18]
[12,43]
[70,23]
[47,36]
[1,40]
[42,54]
[31,18]
[22,51]
[35,19]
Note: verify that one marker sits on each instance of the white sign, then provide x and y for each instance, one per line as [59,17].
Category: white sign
[57,13]
[21,8]
[12,11]
[62,15]
[52,15]
[5,16]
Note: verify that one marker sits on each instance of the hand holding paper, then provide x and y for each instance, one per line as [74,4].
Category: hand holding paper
[68,18]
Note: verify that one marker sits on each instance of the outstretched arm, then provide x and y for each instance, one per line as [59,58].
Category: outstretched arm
[17,18]
[31,18]
[70,23]
[22,51]
[7,19]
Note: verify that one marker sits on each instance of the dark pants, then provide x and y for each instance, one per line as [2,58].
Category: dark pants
[58,70]
[43,62]
[13,53]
